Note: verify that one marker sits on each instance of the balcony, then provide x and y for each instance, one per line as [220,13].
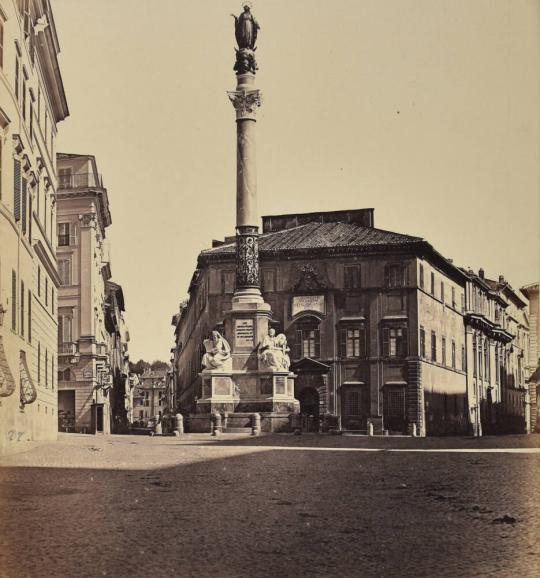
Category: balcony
[68,348]
[79,181]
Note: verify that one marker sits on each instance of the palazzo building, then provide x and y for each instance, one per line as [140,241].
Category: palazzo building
[150,395]
[92,365]
[382,328]
[32,103]
[531,291]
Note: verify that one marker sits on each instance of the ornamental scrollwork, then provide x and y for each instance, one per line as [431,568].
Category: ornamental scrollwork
[247,258]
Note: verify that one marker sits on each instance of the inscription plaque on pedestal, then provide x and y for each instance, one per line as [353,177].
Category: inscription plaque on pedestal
[244,334]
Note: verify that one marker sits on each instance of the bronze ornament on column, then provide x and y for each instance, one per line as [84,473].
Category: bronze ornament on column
[247,257]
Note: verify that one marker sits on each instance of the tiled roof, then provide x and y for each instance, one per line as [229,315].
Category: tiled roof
[322,236]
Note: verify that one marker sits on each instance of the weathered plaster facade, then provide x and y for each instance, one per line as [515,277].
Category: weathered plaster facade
[32,103]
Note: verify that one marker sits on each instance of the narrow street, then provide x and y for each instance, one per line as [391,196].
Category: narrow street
[277,505]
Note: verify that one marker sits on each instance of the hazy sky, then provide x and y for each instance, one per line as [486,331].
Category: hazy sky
[426,110]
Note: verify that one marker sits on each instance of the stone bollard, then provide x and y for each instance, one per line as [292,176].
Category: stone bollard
[216,424]
[339,423]
[255,424]
[179,425]
[414,431]
[224,422]
[370,429]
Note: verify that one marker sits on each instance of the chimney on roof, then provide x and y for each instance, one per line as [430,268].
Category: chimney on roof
[501,279]
[481,273]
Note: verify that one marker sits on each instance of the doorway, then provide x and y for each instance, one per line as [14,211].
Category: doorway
[309,409]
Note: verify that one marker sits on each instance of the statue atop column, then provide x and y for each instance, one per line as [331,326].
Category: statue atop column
[245,30]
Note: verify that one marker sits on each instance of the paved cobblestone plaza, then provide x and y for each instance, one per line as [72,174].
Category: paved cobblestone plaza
[278,505]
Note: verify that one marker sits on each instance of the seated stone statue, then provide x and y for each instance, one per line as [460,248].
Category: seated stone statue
[218,353]
[273,351]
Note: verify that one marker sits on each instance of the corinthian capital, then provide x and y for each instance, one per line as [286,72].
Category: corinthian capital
[245,102]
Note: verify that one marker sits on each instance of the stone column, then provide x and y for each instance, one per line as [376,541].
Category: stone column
[246,99]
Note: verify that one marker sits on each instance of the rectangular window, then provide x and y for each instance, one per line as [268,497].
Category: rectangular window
[17,81]
[17,189]
[433,346]
[480,360]
[23,205]
[462,302]
[421,277]
[46,291]
[39,281]
[422,342]
[463,359]
[310,344]
[39,362]
[23,105]
[443,350]
[23,296]
[13,301]
[31,120]
[46,368]
[64,271]
[454,297]
[453,354]
[268,280]
[432,289]
[352,277]
[65,178]
[442,291]
[227,282]
[395,341]
[63,234]
[475,360]
[395,275]
[29,316]
[353,342]
[1,43]
[497,365]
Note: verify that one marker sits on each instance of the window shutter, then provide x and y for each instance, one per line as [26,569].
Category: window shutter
[60,325]
[405,342]
[17,190]
[13,301]
[387,276]
[317,343]
[343,342]
[386,340]
[363,343]
[30,218]
[298,344]
[23,320]
[29,315]
[23,206]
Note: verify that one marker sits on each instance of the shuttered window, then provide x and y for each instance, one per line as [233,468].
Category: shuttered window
[23,320]
[1,44]
[422,342]
[64,271]
[308,343]
[352,276]
[433,346]
[29,315]
[353,342]
[394,341]
[17,190]
[39,362]
[14,301]
[23,205]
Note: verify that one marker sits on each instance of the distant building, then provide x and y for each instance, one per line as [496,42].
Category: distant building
[533,367]
[92,365]
[149,397]
[32,103]
[381,326]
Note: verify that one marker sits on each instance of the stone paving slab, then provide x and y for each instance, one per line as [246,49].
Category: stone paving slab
[271,506]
